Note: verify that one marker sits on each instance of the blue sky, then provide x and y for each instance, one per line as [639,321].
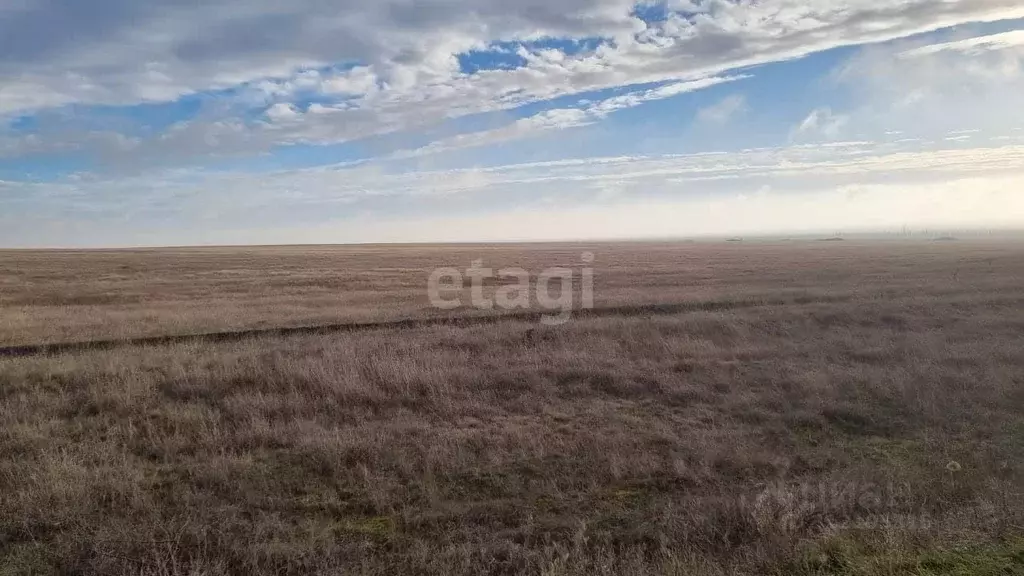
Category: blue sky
[401,120]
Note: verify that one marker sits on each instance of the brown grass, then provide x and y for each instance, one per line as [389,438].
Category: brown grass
[58,296]
[878,433]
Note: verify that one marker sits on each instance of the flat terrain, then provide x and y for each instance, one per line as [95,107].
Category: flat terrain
[849,408]
[50,296]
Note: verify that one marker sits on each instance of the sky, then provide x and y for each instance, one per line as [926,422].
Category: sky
[172,122]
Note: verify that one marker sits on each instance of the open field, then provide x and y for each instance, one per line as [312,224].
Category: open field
[848,408]
[48,296]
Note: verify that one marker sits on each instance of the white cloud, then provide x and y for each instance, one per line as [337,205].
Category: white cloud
[846,185]
[632,99]
[935,90]
[562,118]
[724,110]
[282,112]
[358,81]
[285,123]
[557,119]
[949,205]
[407,76]
[822,122]
[977,45]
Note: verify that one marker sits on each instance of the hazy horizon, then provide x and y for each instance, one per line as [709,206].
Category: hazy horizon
[922,235]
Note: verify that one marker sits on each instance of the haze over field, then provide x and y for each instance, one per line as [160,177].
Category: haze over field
[166,122]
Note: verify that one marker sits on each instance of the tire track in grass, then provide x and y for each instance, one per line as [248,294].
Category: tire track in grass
[667,309]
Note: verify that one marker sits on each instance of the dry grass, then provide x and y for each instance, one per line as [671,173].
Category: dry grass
[877,433]
[69,296]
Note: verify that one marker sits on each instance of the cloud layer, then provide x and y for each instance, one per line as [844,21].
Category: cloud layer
[856,185]
[120,118]
[338,71]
